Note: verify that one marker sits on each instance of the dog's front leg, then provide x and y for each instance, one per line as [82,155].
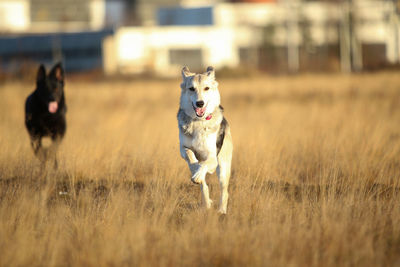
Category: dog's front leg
[53,151]
[190,158]
[203,167]
[40,152]
[205,194]
[199,172]
[197,169]
[200,177]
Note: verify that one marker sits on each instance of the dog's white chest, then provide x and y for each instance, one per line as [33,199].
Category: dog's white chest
[202,141]
[200,136]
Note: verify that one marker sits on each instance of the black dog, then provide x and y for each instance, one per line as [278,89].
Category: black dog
[45,112]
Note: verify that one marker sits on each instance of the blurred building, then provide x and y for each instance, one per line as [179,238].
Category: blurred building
[47,15]
[281,36]
[14,15]
[159,36]
[45,31]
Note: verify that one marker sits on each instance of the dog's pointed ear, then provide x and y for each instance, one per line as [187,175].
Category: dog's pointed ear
[210,72]
[57,72]
[41,74]
[185,72]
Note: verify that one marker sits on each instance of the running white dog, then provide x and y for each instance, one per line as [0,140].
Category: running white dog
[204,134]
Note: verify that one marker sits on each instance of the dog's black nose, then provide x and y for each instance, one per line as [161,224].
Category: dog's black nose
[200,103]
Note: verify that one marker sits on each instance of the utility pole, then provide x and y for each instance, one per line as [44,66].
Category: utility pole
[350,48]
[356,46]
[344,38]
[394,19]
[292,33]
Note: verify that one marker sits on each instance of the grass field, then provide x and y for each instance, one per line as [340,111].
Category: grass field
[315,181]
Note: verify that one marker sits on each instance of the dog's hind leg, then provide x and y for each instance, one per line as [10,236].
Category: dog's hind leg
[224,173]
[224,170]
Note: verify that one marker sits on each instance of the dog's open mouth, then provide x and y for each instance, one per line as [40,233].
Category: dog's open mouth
[199,111]
[53,106]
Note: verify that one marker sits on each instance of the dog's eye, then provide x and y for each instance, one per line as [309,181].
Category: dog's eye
[191,88]
[206,89]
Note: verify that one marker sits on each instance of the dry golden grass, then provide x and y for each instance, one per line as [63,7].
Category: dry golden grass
[315,180]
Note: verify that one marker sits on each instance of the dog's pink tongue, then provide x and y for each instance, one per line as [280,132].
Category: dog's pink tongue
[53,106]
[200,111]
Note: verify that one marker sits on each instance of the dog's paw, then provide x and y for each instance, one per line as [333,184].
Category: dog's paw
[200,174]
[208,204]
[222,210]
